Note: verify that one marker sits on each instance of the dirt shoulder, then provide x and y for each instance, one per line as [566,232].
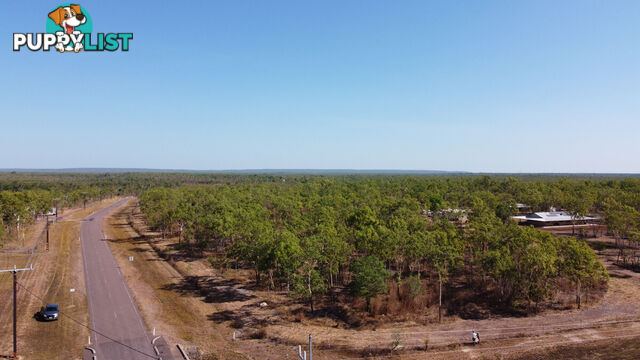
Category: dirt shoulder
[153,281]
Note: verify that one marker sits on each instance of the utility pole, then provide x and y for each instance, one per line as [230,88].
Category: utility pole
[56,200]
[15,306]
[47,233]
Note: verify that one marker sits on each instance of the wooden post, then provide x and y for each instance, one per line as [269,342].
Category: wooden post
[15,306]
[47,233]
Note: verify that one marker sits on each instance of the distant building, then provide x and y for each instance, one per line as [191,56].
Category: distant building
[524,208]
[450,214]
[549,218]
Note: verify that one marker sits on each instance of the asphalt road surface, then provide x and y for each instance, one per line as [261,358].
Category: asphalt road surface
[119,333]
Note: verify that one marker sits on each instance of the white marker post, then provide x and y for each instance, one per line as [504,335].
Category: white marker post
[72,291]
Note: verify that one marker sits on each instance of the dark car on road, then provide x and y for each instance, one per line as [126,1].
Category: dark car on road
[49,312]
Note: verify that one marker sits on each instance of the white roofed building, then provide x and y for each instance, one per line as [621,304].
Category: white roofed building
[549,218]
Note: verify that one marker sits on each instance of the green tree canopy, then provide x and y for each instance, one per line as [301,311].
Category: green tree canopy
[369,278]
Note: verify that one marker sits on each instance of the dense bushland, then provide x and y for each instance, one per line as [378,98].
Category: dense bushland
[365,235]
[314,235]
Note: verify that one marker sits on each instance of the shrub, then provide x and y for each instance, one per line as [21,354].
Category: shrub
[259,334]
[237,324]
[397,340]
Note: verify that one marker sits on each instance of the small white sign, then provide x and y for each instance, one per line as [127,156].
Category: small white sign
[72,290]
[130,258]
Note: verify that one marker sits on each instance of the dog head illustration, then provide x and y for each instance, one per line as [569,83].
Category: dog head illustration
[68,17]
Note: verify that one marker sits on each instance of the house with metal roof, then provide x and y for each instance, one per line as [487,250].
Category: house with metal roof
[549,218]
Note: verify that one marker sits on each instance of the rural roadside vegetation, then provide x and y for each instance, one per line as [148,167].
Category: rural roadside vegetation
[354,252]
[347,239]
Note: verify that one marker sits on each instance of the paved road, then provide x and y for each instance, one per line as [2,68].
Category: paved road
[119,332]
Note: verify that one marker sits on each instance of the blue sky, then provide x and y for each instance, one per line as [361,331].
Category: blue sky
[498,86]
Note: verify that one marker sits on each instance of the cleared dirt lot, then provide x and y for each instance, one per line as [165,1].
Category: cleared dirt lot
[191,303]
[55,273]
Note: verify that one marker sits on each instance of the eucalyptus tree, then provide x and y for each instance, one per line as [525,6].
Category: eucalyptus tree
[329,235]
[14,209]
[255,239]
[288,256]
[444,251]
[158,205]
[369,278]
[579,263]
[309,281]
[2,230]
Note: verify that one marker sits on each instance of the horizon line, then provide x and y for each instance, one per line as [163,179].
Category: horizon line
[296,171]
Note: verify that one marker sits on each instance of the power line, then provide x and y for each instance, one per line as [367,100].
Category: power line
[90,328]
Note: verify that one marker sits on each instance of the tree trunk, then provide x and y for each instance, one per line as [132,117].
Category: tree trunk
[579,294]
[440,298]
[310,292]
[470,273]
[273,286]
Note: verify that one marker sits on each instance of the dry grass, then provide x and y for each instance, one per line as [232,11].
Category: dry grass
[55,273]
[23,240]
[618,349]
[180,319]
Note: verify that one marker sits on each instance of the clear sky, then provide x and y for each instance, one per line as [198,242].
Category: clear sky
[498,86]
